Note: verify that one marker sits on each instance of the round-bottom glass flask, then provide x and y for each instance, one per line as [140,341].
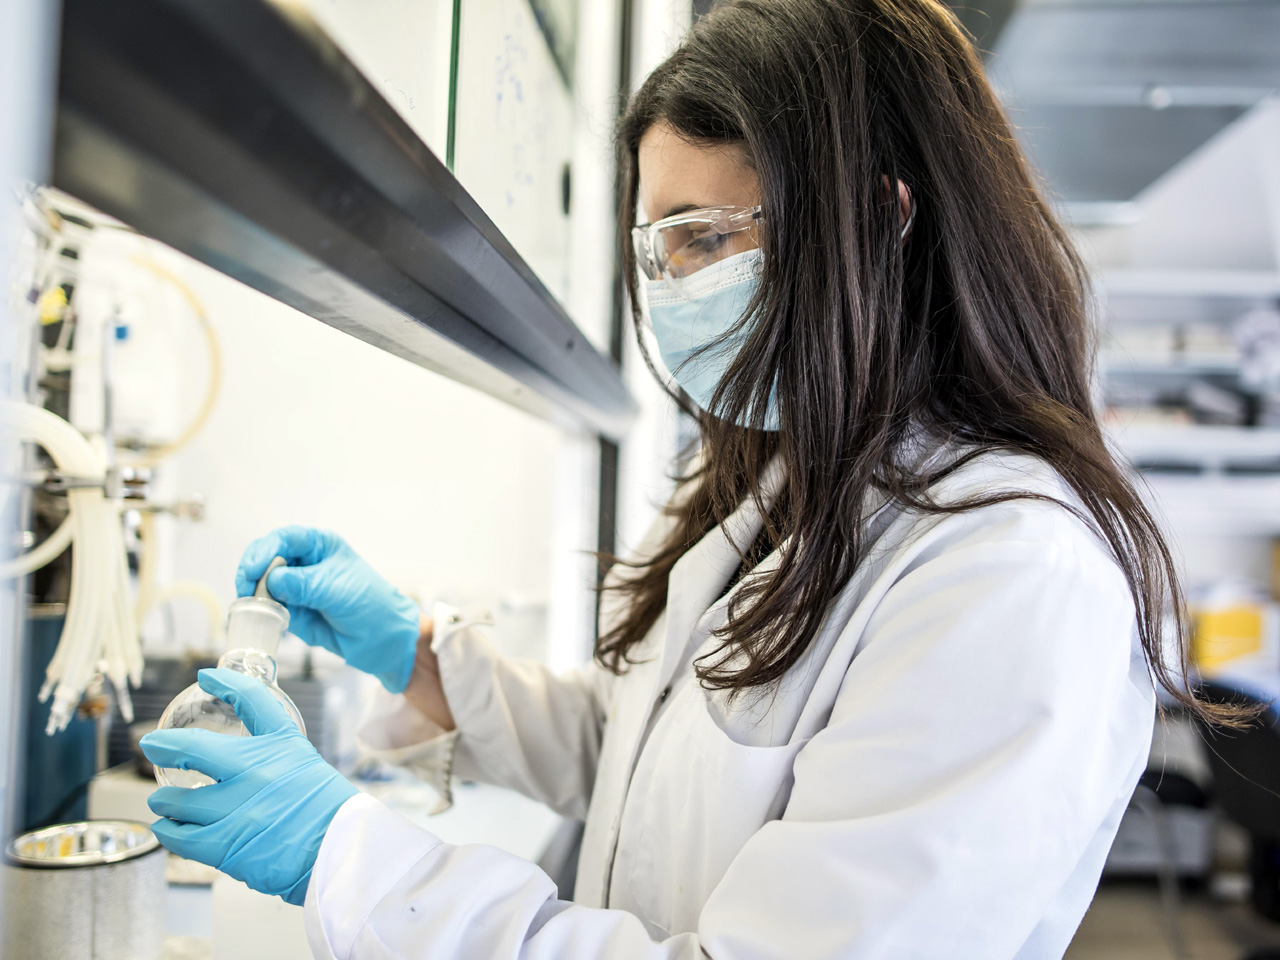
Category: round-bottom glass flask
[254,628]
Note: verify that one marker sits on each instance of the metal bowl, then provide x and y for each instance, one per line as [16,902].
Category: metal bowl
[84,843]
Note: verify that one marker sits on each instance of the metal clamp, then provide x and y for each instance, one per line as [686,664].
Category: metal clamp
[55,482]
[193,509]
[115,484]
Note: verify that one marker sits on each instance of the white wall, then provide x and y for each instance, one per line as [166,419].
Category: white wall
[443,489]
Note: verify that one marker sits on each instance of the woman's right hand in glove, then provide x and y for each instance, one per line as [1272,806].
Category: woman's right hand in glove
[337,601]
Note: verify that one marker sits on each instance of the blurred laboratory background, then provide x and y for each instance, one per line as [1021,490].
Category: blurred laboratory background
[350,263]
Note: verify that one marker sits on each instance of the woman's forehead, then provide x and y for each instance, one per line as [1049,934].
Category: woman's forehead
[678,174]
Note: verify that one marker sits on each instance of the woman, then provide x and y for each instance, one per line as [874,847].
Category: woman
[879,681]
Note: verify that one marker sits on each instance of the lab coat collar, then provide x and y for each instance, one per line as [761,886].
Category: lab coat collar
[698,578]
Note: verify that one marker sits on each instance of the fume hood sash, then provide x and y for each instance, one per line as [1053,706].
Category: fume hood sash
[238,133]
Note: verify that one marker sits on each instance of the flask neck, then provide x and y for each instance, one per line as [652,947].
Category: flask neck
[254,663]
[256,623]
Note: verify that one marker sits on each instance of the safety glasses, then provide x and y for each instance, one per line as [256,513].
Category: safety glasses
[676,247]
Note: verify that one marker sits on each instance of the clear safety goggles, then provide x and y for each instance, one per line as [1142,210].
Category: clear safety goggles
[676,247]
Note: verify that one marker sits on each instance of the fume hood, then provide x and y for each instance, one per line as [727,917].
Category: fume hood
[240,134]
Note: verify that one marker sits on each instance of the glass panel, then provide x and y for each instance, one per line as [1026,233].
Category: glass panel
[404,47]
[514,125]
[488,86]
[558,20]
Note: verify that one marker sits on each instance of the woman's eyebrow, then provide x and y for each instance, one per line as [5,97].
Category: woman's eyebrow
[681,208]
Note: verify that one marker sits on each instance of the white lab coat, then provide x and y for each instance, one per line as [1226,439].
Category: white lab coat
[941,775]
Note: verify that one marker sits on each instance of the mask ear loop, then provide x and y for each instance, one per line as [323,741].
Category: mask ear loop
[906,227]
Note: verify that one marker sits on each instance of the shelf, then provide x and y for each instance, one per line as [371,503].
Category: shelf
[239,134]
[1118,361]
[1218,504]
[1244,284]
[1209,446]
[1213,500]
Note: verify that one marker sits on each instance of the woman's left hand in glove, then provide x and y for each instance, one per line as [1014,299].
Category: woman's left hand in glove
[264,819]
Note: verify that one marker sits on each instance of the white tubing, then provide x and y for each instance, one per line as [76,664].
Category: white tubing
[148,542]
[150,595]
[98,635]
[199,591]
[46,552]
[210,398]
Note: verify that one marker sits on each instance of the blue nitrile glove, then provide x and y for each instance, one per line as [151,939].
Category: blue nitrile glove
[337,601]
[264,820]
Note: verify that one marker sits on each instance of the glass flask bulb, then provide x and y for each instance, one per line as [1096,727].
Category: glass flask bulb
[254,628]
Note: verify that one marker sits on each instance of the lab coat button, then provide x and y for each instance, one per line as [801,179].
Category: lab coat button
[666,692]
[455,618]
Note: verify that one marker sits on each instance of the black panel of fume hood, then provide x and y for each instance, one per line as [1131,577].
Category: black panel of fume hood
[1109,96]
[237,132]
[1092,154]
[1105,51]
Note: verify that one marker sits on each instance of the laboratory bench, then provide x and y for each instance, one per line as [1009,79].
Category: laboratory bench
[201,901]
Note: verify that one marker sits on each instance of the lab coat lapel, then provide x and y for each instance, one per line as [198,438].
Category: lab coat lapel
[698,578]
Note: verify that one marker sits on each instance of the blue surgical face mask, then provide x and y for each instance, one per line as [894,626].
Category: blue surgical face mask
[707,305]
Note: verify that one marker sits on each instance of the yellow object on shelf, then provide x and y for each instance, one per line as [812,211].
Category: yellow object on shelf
[52,306]
[1224,634]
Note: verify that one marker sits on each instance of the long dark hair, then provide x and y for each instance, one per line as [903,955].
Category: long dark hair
[977,328]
